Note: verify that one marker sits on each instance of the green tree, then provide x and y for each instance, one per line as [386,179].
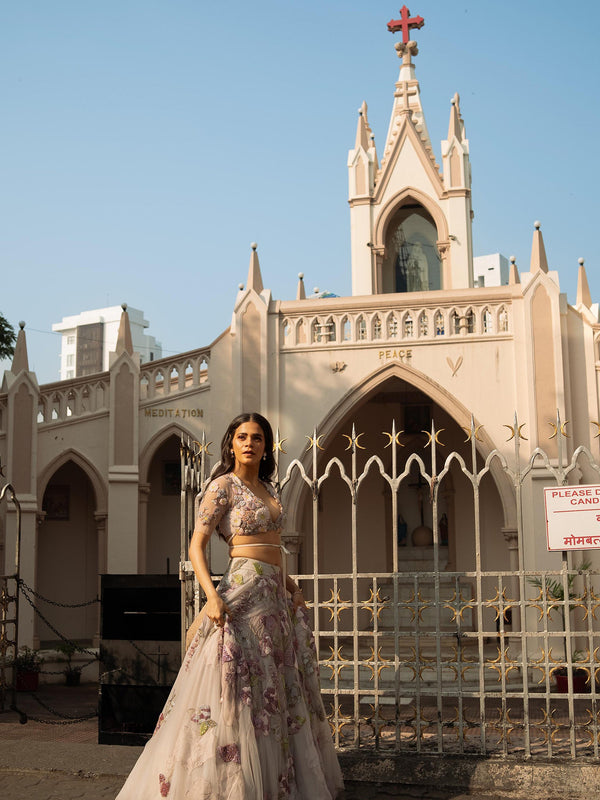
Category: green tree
[7,338]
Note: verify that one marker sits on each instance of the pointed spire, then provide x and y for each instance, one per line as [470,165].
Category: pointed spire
[363,131]
[584,296]
[124,342]
[407,104]
[301,292]
[513,277]
[20,360]
[456,128]
[539,262]
[254,277]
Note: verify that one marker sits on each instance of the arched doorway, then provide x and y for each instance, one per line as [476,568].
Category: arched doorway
[395,399]
[164,509]
[67,556]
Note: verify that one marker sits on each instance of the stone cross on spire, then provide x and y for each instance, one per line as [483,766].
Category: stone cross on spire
[405,23]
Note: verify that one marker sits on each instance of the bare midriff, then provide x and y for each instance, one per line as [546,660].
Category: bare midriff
[268,554]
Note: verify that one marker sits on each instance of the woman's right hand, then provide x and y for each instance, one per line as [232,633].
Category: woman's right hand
[217,610]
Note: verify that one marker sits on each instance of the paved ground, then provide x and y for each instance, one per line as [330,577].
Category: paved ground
[42,761]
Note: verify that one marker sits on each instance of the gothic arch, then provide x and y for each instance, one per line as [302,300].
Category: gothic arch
[361,391]
[391,207]
[96,479]
[155,442]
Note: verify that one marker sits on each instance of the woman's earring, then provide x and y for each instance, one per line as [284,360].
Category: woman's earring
[264,456]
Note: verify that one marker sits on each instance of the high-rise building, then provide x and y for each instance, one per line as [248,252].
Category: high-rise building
[89,337]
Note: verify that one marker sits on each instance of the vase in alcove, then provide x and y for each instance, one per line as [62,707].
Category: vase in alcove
[422,536]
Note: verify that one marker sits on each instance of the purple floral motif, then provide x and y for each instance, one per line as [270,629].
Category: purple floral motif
[265,645]
[295,724]
[260,720]
[164,713]
[231,650]
[164,784]
[246,695]
[271,700]
[229,753]
[202,714]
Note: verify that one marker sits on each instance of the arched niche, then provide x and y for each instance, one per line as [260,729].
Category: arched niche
[68,555]
[160,502]
[164,509]
[411,260]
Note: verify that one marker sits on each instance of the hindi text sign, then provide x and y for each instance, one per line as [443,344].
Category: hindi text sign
[572,517]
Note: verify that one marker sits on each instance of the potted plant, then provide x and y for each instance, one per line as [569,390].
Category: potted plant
[71,672]
[27,664]
[553,591]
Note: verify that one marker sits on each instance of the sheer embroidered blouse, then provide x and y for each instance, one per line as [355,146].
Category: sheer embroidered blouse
[229,506]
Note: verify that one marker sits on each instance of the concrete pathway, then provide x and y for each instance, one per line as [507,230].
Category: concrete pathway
[42,760]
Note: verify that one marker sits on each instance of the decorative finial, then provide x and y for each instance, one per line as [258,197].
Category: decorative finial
[22,325]
[301,276]
[513,259]
[124,306]
[581,261]
[405,23]
[241,287]
[254,245]
[316,289]
[537,224]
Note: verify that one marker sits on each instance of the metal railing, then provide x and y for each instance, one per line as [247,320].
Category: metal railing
[434,660]
[9,613]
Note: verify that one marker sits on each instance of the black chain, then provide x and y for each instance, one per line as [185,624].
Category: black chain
[76,646]
[95,656]
[21,582]
[69,720]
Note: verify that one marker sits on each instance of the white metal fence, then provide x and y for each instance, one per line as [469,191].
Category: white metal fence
[433,660]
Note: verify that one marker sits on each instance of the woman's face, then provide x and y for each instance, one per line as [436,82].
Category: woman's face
[248,444]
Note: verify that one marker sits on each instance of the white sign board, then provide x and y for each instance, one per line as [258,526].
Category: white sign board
[572,517]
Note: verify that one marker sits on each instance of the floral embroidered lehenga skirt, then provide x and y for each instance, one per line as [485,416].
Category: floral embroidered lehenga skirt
[245,719]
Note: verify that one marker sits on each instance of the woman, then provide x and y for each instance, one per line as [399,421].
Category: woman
[244,720]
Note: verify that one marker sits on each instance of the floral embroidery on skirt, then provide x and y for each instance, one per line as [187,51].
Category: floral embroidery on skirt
[245,719]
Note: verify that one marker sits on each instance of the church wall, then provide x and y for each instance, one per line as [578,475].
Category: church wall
[484,382]
[408,172]
[86,437]
[584,404]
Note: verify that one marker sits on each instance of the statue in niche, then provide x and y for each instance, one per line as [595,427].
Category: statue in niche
[422,536]
[411,271]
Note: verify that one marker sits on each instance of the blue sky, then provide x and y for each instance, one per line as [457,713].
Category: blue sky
[146,143]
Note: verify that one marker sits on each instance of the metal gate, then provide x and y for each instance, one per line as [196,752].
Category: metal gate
[442,664]
[9,614]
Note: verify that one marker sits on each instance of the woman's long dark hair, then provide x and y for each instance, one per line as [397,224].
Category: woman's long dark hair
[267,465]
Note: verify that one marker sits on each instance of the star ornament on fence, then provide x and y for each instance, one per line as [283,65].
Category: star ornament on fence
[435,438]
[470,433]
[353,441]
[393,438]
[563,429]
[278,445]
[515,430]
[314,441]
[202,447]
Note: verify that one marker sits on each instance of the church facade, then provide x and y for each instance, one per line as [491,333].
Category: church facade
[95,460]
